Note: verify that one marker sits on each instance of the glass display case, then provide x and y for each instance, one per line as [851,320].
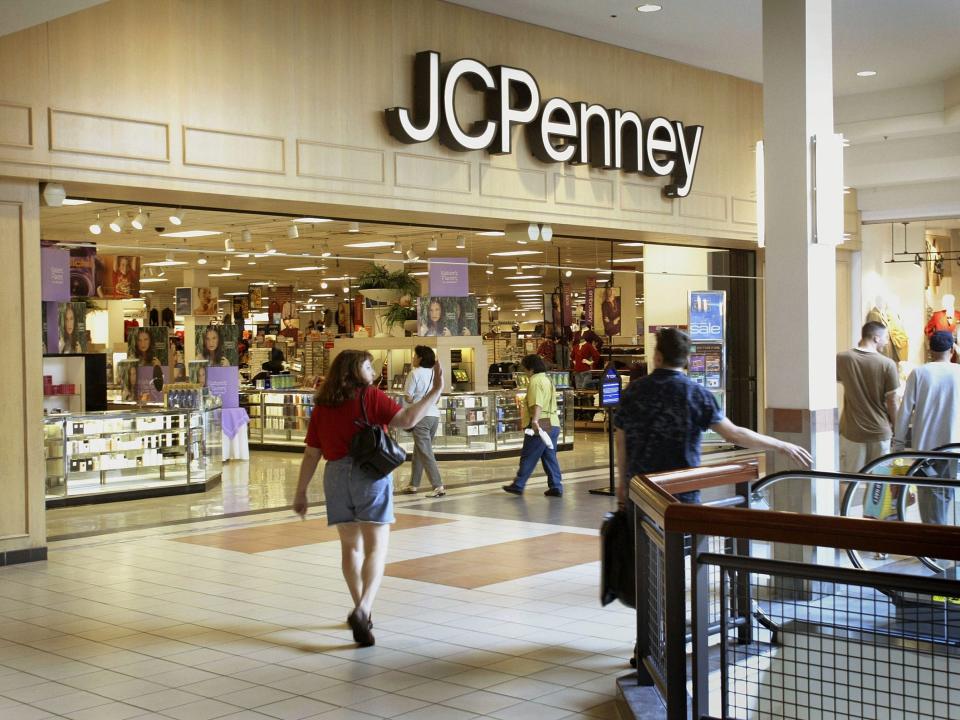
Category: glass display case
[485,424]
[130,454]
[278,418]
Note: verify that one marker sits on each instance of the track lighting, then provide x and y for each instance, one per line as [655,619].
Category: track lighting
[202,260]
[177,217]
[140,220]
[397,249]
[268,248]
[169,257]
[519,269]
[325,252]
[461,242]
[246,236]
[353,227]
[432,246]
[228,244]
[117,223]
[292,232]
[162,273]
[97,227]
[489,271]
[412,255]
[226,265]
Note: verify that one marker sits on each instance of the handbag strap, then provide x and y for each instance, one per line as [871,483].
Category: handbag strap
[363,407]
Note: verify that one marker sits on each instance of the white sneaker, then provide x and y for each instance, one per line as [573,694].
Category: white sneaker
[409,490]
[438,492]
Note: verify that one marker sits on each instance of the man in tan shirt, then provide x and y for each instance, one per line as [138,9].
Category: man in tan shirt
[870,382]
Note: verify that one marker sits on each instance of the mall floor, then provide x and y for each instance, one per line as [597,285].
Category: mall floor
[489,608]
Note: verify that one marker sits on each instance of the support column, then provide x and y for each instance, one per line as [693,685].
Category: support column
[800,285]
[23,530]
[193,279]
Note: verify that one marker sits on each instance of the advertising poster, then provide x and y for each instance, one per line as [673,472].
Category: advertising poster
[148,345]
[205,301]
[55,278]
[449,277]
[255,296]
[706,315]
[290,327]
[282,296]
[591,287]
[241,308]
[83,262]
[606,304]
[217,345]
[447,316]
[150,383]
[127,380]
[197,372]
[184,300]
[224,382]
[118,276]
[51,333]
[71,327]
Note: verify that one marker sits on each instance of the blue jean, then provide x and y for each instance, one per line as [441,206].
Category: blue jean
[533,450]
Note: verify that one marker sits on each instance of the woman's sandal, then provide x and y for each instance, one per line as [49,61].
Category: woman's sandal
[361,627]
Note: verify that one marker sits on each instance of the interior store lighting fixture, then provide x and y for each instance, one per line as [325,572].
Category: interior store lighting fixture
[630,244]
[523,277]
[292,232]
[568,273]
[251,262]
[74,201]
[202,260]
[228,244]
[489,271]
[97,227]
[268,248]
[246,235]
[421,273]
[116,225]
[152,280]
[649,8]
[491,233]
[397,249]
[223,274]
[526,284]
[370,244]
[533,232]
[176,218]
[515,253]
[626,260]
[140,220]
[312,220]
[461,242]
[235,294]
[412,255]
[346,290]
[325,251]
[866,73]
[353,227]
[324,286]
[546,233]
[147,292]
[226,265]
[191,233]
[305,268]
[432,247]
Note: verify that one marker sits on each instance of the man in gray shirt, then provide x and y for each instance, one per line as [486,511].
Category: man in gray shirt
[870,382]
[931,402]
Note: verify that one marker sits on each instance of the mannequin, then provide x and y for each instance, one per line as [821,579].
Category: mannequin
[945,319]
[899,346]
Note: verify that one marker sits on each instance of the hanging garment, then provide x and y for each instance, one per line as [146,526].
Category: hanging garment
[899,346]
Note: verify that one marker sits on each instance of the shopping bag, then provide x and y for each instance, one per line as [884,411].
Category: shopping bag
[617,560]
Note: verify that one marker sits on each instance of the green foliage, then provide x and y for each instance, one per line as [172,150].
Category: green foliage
[379,278]
[397,314]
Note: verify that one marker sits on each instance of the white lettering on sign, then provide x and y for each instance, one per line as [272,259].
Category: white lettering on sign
[558,131]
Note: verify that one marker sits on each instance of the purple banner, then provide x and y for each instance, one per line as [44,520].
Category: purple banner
[449,277]
[224,382]
[55,280]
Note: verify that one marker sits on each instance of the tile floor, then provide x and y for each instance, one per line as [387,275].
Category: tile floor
[140,624]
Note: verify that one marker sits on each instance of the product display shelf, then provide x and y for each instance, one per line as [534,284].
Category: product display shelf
[587,412]
[278,418]
[484,425]
[104,456]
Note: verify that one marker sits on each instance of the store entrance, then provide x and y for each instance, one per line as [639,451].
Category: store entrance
[212,329]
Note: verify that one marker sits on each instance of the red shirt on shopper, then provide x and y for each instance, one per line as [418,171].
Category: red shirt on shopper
[585,351]
[332,428]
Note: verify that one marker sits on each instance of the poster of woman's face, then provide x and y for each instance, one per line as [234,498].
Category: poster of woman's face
[127,380]
[72,327]
[606,308]
[217,344]
[198,372]
[205,300]
[148,345]
[447,316]
[118,276]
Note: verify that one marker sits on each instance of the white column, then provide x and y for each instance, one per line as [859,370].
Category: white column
[193,279]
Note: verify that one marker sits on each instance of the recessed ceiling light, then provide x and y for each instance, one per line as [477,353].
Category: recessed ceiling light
[292,232]
[516,253]
[649,7]
[74,201]
[524,277]
[202,260]
[626,260]
[305,268]
[165,263]
[191,233]
[370,244]
[630,244]
[492,233]
[147,292]
[224,274]
[866,73]
[528,285]
[152,280]
[234,294]
[312,220]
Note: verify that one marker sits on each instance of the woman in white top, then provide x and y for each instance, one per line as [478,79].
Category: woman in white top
[418,384]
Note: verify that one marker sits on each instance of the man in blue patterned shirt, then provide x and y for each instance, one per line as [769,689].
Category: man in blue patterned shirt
[662,417]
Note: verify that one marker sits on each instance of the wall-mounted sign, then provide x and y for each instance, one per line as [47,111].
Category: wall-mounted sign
[557,130]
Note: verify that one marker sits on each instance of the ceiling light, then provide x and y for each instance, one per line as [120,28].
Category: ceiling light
[533,231]
[626,260]
[305,268]
[649,8]
[312,220]
[97,227]
[147,292]
[169,262]
[489,271]
[432,246]
[346,290]
[326,250]
[202,260]
[191,233]
[515,253]
[461,242]
[370,244]
[177,217]
[74,201]
[228,244]
[866,73]
[353,227]
[412,255]
[523,277]
[251,262]
[292,232]
[422,273]
[117,223]
[397,249]
[140,220]
[546,233]
[246,236]
[526,285]
[224,274]
[630,244]
[235,294]
[151,280]
[324,286]
[268,248]
[492,233]
[489,299]
[568,273]
[226,265]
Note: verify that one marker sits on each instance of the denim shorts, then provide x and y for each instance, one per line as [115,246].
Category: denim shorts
[354,495]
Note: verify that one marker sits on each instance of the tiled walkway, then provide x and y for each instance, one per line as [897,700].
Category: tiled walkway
[163,623]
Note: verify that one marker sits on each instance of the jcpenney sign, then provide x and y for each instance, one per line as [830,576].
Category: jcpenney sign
[557,130]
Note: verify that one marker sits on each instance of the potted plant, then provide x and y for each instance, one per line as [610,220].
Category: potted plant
[398,288]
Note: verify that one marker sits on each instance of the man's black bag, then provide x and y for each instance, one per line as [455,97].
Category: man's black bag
[372,448]
[617,569]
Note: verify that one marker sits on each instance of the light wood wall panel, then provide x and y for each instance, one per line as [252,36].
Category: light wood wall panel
[339,162]
[704,206]
[644,198]
[585,192]
[418,171]
[233,150]
[744,211]
[119,137]
[513,184]
[16,125]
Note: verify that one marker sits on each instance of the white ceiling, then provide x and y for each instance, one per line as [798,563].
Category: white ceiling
[908,42]
[20,14]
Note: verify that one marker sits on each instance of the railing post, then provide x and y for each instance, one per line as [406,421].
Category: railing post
[642,577]
[699,626]
[675,612]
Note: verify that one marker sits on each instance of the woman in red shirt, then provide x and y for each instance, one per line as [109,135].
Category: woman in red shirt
[586,358]
[360,505]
